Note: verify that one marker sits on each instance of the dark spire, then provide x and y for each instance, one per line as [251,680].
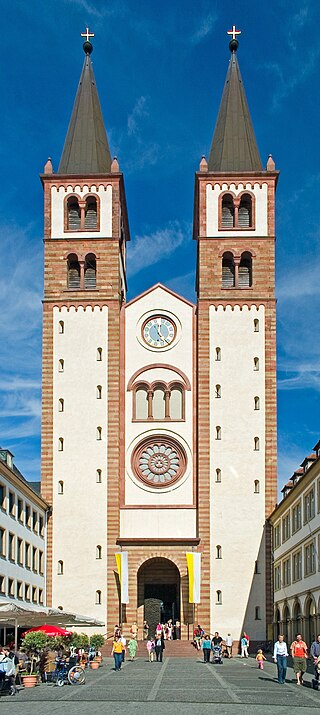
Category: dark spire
[234,146]
[86,149]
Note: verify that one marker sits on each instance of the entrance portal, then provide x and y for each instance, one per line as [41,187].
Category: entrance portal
[159,592]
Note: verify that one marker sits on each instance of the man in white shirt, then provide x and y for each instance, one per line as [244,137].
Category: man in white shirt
[229,641]
[280,654]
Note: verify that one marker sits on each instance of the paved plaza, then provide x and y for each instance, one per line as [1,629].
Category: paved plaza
[142,687]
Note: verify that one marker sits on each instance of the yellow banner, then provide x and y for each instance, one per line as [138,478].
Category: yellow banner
[194,570]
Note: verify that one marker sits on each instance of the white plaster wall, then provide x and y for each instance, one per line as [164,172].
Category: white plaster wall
[179,355]
[80,514]
[11,569]
[237,513]
[58,197]
[261,196]
[157,523]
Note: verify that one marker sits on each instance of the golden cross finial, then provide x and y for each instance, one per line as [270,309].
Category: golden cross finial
[234,32]
[87,34]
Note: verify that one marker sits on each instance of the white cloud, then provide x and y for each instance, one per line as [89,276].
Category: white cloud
[148,249]
[205,26]
[184,285]
[139,110]
[93,9]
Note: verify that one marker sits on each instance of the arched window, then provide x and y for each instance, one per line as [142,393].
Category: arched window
[73,272]
[60,444]
[90,271]
[61,365]
[227,217]
[99,355]
[176,403]
[256,363]
[158,403]
[141,403]
[219,598]
[256,486]
[218,391]
[61,326]
[61,405]
[99,433]
[98,476]
[73,214]
[60,568]
[245,211]
[218,354]
[245,270]
[227,270]
[99,392]
[91,215]
[218,552]
[256,444]
[98,552]
[98,598]
[218,432]
[60,487]
[218,475]
[257,403]
[256,325]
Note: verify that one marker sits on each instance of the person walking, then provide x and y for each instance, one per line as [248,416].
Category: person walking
[299,652]
[132,648]
[229,641]
[260,658]
[244,646]
[315,654]
[117,648]
[280,655]
[151,648]
[159,648]
[206,647]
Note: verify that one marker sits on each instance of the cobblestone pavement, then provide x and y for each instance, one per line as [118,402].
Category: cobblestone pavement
[143,687]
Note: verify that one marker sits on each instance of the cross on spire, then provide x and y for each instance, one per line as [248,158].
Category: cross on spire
[234,32]
[87,34]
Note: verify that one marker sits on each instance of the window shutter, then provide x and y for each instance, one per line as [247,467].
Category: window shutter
[73,216]
[90,221]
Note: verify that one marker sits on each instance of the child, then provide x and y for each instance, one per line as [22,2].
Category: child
[260,658]
[151,647]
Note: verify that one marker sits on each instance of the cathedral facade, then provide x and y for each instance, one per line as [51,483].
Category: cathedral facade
[159,416]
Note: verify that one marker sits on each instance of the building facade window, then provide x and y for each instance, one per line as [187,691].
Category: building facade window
[286,572]
[73,272]
[256,326]
[297,566]
[99,392]
[60,444]
[245,271]
[99,355]
[90,272]
[309,559]
[218,354]
[98,552]
[296,517]
[218,552]
[27,555]
[256,486]
[20,551]
[20,510]
[20,590]
[12,504]
[61,327]
[218,598]
[60,568]
[256,443]
[228,270]
[257,403]
[60,487]
[309,506]
[11,547]
[218,475]
[256,365]
[61,405]
[257,613]
[218,432]
[61,365]
[3,493]
[158,402]
[218,391]
[98,476]
[99,433]
[286,532]
[98,598]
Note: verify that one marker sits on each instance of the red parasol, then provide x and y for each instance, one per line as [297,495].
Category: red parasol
[51,631]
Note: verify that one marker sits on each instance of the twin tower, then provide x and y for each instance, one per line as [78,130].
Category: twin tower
[159,416]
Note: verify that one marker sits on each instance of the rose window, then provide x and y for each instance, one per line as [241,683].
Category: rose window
[159,461]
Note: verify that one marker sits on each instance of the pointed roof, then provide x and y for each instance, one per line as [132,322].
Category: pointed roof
[86,149]
[234,146]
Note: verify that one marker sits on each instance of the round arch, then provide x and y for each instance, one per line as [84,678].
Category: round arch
[310,621]
[296,618]
[158,592]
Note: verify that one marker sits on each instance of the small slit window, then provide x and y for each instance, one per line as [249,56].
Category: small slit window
[90,270]
[218,354]
[218,391]
[99,355]
[98,598]
[218,475]
[218,432]
[99,433]
[218,552]
[218,598]
[256,325]
[256,486]
[60,568]
[98,552]
[99,392]
[256,364]
[227,217]
[61,327]
[257,615]
[61,405]
[60,487]
[256,444]
[91,215]
[60,444]
[61,365]
[228,272]
[74,214]
[98,476]
[73,272]
[257,403]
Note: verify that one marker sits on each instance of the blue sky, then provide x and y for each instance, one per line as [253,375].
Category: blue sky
[160,70]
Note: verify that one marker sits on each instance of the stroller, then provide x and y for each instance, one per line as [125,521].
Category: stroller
[217,655]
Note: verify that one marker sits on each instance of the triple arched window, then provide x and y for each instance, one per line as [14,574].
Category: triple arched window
[82,214]
[236,270]
[236,212]
[158,401]
[82,273]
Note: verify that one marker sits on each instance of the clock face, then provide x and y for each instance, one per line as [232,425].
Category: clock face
[159,331]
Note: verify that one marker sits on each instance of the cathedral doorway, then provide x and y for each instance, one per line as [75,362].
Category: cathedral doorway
[158,592]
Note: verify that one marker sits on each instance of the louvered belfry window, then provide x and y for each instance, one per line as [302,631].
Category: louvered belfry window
[90,220]
[73,272]
[227,211]
[90,271]
[245,212]
[245,271]
[74,214]
[227,270]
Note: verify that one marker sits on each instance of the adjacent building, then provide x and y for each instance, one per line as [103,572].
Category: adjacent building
[296,548]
